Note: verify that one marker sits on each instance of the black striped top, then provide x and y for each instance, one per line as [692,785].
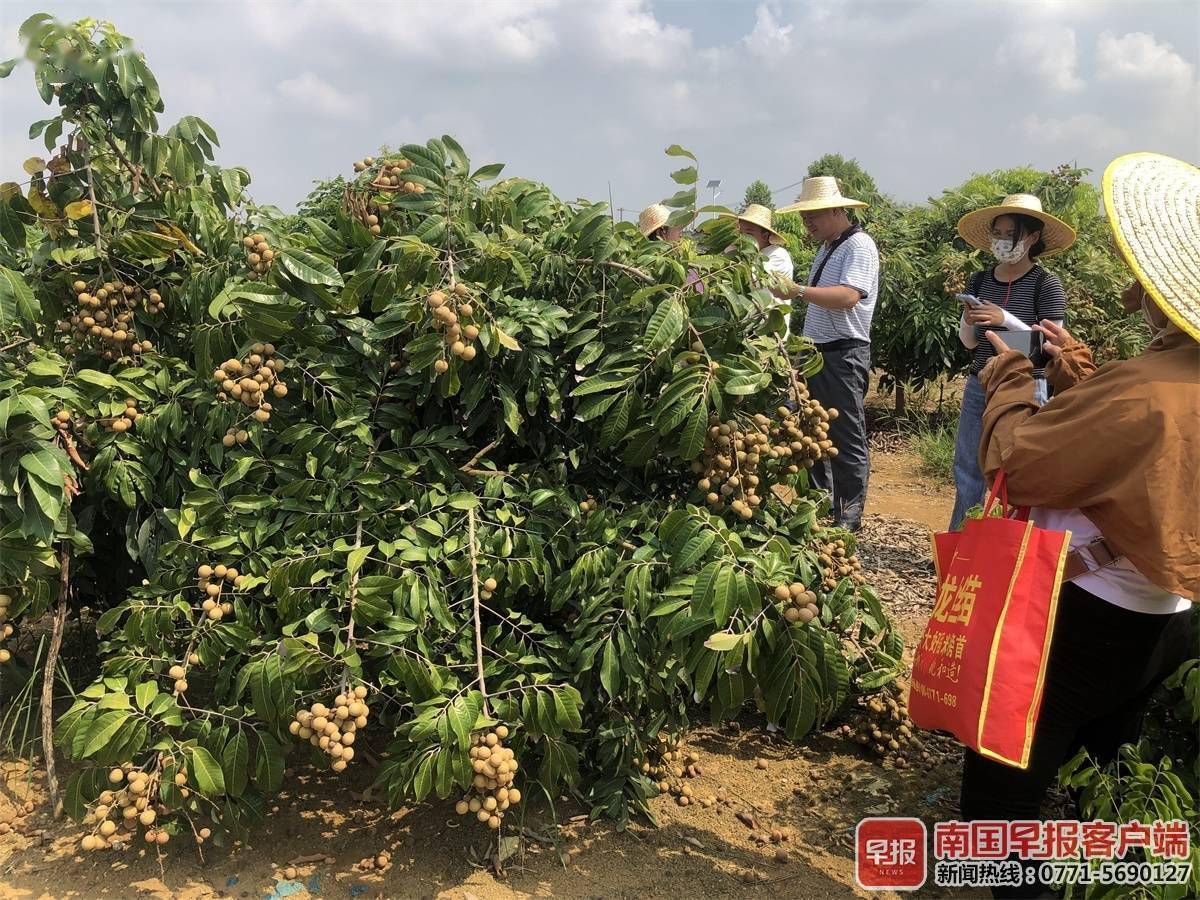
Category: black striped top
[1051,304]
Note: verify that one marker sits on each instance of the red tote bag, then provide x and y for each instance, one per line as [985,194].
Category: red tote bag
[979,670]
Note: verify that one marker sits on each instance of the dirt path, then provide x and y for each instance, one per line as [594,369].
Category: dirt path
[820,789]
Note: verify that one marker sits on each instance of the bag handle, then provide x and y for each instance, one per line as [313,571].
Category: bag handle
[999,492]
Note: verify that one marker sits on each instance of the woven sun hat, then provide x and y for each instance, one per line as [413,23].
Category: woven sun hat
[821,192]
[975,227]
[1153,206]
[757,214]
[653,217]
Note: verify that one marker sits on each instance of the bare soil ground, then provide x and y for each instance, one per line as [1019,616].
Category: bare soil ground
[323,826]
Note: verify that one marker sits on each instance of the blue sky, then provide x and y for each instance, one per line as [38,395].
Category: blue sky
[578,93]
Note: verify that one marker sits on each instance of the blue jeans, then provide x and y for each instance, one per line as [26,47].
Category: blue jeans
[970,486]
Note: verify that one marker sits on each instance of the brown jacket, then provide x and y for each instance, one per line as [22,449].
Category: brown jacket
[1120,443]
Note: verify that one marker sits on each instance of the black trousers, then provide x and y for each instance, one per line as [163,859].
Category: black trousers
[842,384]
[1105,662]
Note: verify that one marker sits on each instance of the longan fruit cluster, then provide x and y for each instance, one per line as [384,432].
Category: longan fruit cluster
[380,862]
[667,765]
[249,380]
[104,317]
[215,582]
[129,803]
[728,465]
[495,765]
[588,506]
[487,588]
[334,730]
[800,604]
[882,725]
[953,279]
[363,164]
[391,176]
[6,629]
[800,438]
[13,820]
[452,315]
[259,255]
[837,562]
[117,424]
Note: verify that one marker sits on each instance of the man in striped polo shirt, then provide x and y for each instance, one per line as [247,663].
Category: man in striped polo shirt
[841,291]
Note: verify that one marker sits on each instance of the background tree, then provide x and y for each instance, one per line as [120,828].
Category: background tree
[757,192]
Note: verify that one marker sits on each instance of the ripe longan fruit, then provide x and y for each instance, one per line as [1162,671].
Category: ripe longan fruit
[441,366]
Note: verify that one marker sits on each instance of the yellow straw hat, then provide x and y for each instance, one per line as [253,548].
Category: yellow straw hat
[975,227]
[821,192]
[759,215]
[1153,206]
[653,217]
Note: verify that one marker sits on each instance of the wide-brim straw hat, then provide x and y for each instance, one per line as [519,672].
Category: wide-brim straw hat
[975,227]
[821,192]
[653,217]
[1153,206]
[757,214]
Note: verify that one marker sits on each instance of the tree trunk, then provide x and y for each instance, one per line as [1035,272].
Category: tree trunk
[56,639]
[900,404]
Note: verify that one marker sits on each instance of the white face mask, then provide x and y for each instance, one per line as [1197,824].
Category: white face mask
[1007,251]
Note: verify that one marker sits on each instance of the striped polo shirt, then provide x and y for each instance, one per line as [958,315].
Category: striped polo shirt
[1018,299]
[854,264]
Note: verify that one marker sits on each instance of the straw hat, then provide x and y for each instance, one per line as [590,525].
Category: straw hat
[821,192]
[975,227]
[1153,206]
[759,215]
[653,217]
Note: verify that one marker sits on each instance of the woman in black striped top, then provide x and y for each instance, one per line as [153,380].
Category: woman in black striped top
[1016,294]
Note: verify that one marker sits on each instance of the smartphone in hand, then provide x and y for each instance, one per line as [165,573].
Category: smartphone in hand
[969,300]
[1028,342]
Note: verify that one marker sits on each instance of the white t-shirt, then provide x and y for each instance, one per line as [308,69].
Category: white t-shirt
[854,264]
[778,261]
[1119,584]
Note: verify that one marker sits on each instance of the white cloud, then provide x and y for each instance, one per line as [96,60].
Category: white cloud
[1082,130]
[1048,53]
[310,92]
[472,34]
[769,40]
[1138,58]
[626,32]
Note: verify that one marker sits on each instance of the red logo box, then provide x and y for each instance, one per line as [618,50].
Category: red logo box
[889,854]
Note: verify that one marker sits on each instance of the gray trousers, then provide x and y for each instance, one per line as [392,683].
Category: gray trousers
[842,384]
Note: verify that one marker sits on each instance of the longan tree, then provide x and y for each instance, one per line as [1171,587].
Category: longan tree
[421,473]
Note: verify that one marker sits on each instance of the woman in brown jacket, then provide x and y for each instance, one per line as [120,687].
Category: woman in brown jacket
[1114,458]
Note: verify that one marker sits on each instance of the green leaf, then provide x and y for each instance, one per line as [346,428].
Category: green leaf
[104,728]
[309,268]
[268,764]
[723,641]
[488,172]
[676,150]
[691,438]
[236,763]
[209,778]
[610,670]
[463,500]
[357,557]
[17,302]
[100,379]
[7,66]
[145,693]
[665,326]
[605,381]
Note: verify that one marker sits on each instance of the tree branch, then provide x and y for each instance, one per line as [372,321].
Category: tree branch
[56,638]
[620,267]
[475,599]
